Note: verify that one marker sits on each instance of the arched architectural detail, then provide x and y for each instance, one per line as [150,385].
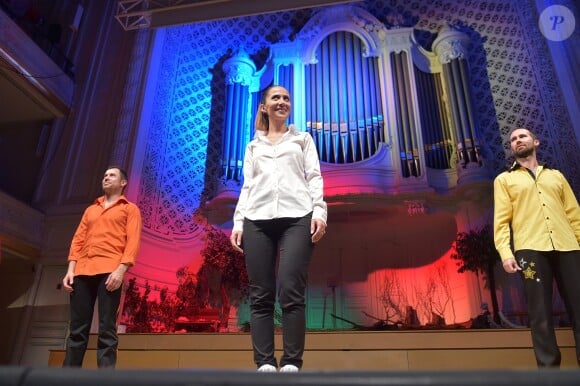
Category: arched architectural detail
[341,18]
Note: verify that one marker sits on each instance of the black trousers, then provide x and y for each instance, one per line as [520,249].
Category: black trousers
[539,270]
[261,242]
[87,289]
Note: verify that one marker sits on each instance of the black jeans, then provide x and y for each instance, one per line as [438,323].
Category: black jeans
[82,302]
[261,242]
[539,270]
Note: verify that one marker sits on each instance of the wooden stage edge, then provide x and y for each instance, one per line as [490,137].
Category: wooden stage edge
[462,349]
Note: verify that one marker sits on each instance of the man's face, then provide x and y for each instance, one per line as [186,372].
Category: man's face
[522,143]
[113,182]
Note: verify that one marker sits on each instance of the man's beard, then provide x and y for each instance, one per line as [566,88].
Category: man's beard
[525,152]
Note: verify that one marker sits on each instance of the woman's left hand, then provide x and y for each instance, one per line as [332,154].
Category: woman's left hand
[317,229]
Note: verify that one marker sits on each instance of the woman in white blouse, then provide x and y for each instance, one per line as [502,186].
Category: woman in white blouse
[280,209]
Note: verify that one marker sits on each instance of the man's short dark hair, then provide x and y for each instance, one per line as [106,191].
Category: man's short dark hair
[532,134]
[121,170]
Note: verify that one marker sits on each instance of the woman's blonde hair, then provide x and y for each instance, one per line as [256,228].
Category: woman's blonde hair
[262,123]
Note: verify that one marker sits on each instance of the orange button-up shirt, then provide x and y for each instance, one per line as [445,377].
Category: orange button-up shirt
[106,238]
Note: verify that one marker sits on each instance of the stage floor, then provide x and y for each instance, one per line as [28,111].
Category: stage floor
[408,350]
[89,377]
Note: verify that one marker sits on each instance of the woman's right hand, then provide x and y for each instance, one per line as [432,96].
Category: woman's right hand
[236,240]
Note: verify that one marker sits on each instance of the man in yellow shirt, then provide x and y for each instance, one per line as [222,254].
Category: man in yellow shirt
[104,246]
[535,207]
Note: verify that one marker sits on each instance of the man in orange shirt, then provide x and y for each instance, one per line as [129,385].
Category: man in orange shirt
[104,246]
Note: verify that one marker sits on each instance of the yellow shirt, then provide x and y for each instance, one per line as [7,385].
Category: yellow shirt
[106,238]
[543,212]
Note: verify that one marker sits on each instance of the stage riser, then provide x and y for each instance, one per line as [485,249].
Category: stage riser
[332,360]
[374,351]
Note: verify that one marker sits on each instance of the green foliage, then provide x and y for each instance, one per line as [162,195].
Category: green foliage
[475,251]
[220,282]
[141,319]
[142,315]
[222,277]
[132,300]
[165,312]
[219,257]
[188,300]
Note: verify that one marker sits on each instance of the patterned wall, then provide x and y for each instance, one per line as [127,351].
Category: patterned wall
[514,84]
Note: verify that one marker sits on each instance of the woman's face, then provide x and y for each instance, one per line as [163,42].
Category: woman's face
[277,103]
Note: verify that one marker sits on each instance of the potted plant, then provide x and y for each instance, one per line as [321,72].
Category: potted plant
[476,252]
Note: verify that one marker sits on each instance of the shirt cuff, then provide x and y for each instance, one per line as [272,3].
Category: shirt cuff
[506,253]
[238,226]
[319,213]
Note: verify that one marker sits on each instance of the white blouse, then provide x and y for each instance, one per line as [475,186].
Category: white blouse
[281,179]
